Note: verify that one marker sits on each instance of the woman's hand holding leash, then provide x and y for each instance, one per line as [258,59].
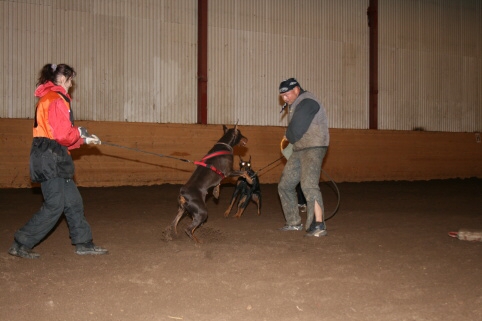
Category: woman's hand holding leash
[92,139]
[88,138]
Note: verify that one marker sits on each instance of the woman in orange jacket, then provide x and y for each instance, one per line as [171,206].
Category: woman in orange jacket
[51,165]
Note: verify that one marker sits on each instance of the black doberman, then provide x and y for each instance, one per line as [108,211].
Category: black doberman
[215,166]
[247,188]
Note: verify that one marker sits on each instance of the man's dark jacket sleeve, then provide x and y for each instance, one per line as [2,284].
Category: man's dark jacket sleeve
[301,120]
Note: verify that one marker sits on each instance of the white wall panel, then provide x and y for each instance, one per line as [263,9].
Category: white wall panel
[430,65]
[253,45]
[135,60]
[24,39]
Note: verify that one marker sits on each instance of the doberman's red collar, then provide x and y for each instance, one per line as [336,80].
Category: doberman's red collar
[211,167]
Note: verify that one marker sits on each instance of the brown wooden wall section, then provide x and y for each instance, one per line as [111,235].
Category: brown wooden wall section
[353,156]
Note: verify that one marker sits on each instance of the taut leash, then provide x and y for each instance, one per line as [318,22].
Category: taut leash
[146,152]
[197,163]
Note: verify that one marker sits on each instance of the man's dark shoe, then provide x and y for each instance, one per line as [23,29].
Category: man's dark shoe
[291,227]
[89,248]
[317,229]
[312,226]
[22,251]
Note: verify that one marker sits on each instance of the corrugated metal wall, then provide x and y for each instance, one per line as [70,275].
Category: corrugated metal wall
[256,44]
[430,65]
[136,59]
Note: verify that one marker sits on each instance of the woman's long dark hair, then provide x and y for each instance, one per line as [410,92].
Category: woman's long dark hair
[50,72]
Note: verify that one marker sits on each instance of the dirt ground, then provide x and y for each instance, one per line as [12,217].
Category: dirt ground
[387,256]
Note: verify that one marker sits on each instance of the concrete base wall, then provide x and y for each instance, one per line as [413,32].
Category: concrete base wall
[353,156]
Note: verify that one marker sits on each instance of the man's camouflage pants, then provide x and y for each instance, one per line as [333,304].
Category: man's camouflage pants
[303,167]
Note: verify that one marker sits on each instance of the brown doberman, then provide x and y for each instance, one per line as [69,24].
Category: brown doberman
[215,166]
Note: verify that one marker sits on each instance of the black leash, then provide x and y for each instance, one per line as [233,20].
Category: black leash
[337,196]
[146,152]
[259,170]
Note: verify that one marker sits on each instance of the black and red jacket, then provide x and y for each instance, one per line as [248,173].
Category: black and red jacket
[54,134]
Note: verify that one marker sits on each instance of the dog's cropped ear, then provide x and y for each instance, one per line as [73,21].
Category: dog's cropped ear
[236,126]
[225,129]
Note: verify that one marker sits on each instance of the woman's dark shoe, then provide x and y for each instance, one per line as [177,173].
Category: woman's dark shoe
[89,248]
[22,251]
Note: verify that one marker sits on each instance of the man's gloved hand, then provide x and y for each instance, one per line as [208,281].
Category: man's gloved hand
[92,139]
[83,132]
[287,151]
[286,147]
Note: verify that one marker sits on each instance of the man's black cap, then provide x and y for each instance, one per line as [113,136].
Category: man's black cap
[288,84]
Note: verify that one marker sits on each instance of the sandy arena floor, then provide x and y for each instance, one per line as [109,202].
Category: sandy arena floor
[387,257]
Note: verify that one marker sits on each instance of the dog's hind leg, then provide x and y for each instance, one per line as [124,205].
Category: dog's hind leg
[190,233]
[199,216]
[180,213]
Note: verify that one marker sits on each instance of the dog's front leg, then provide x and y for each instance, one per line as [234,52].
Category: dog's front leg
[243,203]
[226,213]
[257,200]
[243,174]
[237,189]
[216,191]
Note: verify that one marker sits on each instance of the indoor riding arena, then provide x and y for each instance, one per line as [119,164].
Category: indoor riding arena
[156,81]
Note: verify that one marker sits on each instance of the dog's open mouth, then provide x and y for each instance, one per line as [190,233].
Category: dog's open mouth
[243,141]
